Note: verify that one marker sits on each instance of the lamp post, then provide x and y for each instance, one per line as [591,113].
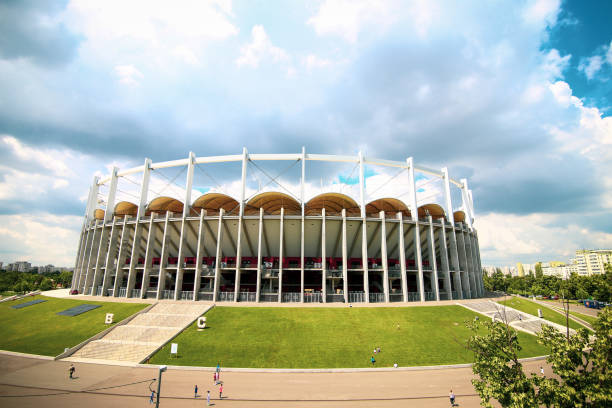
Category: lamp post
[161,370]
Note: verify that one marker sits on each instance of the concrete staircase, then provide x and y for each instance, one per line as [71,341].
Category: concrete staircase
[144,334]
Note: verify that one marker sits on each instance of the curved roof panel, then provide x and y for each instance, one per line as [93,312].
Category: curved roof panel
[459,216]
[333,204]
[213,202]
[162,205]
[99,214]
[389,205]
[124,208]
[431,209]
[272,202]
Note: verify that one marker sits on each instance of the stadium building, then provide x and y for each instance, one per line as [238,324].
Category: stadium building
[276,246]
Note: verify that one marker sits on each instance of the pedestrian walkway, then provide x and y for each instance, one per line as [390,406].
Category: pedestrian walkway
[143,335]
[514,318]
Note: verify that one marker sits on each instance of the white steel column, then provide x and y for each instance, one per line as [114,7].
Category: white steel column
[402,255]
[432,256]
[161,282]
[110,256]
[463,257]
[470,254]
[417,234]
[88,269]
[260,236]
[75,275]
[100,256]
[178,285]
[112,193]
[146,271]
[122,244]
[323,256]
[281,254]
[445,264]
[465,199]
[344,258]
[453,236]
[302,204]
[197,283]
[364,231]
[88,244]
[90,207]
[383,255]
[218,256]
[241,226]
[135,254]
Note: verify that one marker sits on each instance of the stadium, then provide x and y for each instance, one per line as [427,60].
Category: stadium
[283,242]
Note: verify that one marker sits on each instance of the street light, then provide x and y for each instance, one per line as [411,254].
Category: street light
[161,370]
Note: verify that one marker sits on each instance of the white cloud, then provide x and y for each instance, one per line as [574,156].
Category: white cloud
[40,239]
[53,160]
[260,48]
[591,66]
[128,74]
[541,11]
[311,61]
[347,18]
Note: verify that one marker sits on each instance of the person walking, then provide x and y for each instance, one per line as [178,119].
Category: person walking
[451,395]
[373,361]
[208,398]
[195,391]
[215,378]
[221,391]
[152,399]
[71,371]
[541,370]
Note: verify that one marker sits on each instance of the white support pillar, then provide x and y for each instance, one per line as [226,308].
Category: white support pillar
[163,262]
[89,267]
[146,271]
[453,236]
[142,206]
[189,185]
[240,226]
[90,207]
[82,265]
[218,256]
[402,256]
[479,262]
[75,276]
[100,256]
[465,200]
[444,259]
[199,252]
[110,199]
[259,246]
[465,281]
[344,258]
[417,234]
[110,257]
[281,255]
[383,255]
[122,245]
[178,283]
[432,257]
[364,231]
[303,205]
[323,256]
[473,274]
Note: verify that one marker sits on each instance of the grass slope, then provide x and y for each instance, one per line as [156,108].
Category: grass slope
[587,318]
[329,338]
[37,329]
[532,308]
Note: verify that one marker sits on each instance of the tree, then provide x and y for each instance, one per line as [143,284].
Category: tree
[501,375]
[586,378]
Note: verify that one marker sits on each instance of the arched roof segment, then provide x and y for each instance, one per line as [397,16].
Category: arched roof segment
[434,210]
[272,202]
[213,202]
[333,203]
[124,208]
[388,205]
[459,216]
[162,205]
[99,214]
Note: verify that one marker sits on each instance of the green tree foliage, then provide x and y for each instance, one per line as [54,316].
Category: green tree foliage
[22,282]
[576,287]
[500,373]
[581,365]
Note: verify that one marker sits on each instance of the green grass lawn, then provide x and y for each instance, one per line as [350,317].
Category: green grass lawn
[329,338]
[532,308]
[588,318]
[37,329]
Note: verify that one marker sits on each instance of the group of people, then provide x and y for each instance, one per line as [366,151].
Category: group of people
[216,381]
[376,351]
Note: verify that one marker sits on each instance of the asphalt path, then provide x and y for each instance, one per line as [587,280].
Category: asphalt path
[32,382]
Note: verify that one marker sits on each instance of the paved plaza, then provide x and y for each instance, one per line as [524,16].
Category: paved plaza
[33,382]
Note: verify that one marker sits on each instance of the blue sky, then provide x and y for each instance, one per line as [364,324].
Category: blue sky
[513,95]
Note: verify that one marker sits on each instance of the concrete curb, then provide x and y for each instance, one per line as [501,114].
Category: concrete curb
[103,333]
[17,354]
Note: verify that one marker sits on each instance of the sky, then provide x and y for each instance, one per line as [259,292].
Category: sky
[515,96]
